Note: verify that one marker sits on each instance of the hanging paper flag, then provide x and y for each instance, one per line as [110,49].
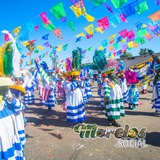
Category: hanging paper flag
[124,47]
[123,33]
[16,30]
[40,47]
[104,43]
[114,20]
[59,12]
[88,36]
[130,44]
[105,50]
[71,25]
[80,35]
[59,48]
[47,44]
[79,9]
[118,3]
[142,7]
[77,3]
[103,23]
[119,52]
[89,49]
[130,34]
[84,51]
[101,48]
[135,44]
[140,40]
[109,9]
[98,29]
[98,2]
[65,47]
[155,16]
[110,48]
[89,17]
[23,37]
[30,26]
[29,54]
[45,37]
[148,36]
[58,33]
[36,51]
[122,17]
[157,2]
[35,28]
[43,55]
[89,29]
[142,32]
[112,37]
[23,56]
[111,42]
[119,38]
[139,26]
[50,26]
[115,45]
[44,18]
[130,9]
[78,39]
[123,40]
[25,43]
[6,37]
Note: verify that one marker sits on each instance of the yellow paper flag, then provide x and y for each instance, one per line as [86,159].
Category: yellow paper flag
[100,48]
[40,47]
[78,11]
[130,44]
[112,37]
[80,35]
[123,40]
[98,29]
[89,29]
[89,17]
[59,48]
[16,30]
[25,43]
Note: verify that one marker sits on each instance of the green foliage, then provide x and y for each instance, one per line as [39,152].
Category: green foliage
[126,55]
[145,51]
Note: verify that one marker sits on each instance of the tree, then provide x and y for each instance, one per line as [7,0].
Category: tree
[145,52]
[126,55]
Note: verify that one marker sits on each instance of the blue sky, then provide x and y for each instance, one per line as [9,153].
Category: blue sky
[14,13]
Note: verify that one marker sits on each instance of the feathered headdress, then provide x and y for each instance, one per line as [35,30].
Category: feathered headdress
[99,59]
[111,67]
[12,56]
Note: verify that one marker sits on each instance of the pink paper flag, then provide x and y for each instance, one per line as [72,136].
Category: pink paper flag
[58,33]
[123,19]
[130,34]
[103,23]
[35,28]
[123,33]
[88,36]
[45,18]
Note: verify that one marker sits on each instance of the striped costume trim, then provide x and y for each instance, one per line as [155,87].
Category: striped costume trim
[76,113]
